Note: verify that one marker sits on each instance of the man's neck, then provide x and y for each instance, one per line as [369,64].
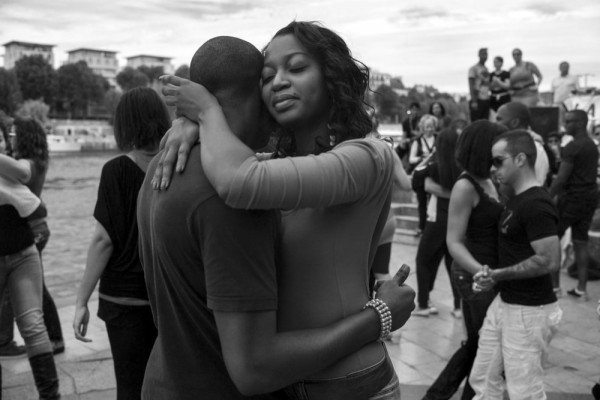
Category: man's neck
[525,181]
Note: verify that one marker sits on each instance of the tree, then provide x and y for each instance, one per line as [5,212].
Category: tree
[387,102]
[36,77]
[153,73]
[130,78]
[10,93]
[183,71]
[111,99]
[35,109]
[78,87]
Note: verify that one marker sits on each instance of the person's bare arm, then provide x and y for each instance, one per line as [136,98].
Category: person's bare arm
[462,201]
[98,255]
[545,260]
[401,179]
[435,188]
[17,170]
[261,360]
[564,172]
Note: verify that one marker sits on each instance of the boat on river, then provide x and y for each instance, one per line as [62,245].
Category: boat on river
[64,144]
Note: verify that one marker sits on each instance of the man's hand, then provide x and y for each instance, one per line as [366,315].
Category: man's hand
[191,99]
[483,281]
[177,144]
[399,299]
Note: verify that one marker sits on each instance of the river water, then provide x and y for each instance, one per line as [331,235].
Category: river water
[70,195]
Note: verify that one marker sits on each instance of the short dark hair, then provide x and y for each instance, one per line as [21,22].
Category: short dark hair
[499,59]
[580,114]
[414,104]
[31,141]
[519,141]
[228,65]
[346,80]
[520,111]
[141,119]
[474,148]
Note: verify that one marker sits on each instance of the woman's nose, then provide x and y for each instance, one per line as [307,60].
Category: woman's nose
[280,81]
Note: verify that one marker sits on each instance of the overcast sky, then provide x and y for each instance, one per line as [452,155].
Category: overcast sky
[427,42]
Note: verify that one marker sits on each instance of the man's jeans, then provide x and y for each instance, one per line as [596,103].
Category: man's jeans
[513,340]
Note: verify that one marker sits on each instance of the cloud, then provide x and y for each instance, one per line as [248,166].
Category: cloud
[546,9]
[420,13]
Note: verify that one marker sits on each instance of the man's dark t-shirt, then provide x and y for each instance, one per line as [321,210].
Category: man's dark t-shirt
[200,256]
[527,217]
[582,153]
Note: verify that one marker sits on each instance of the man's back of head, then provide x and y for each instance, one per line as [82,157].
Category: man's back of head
[514,115]
[230,68]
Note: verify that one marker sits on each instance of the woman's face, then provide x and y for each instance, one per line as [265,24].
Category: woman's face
[293,86]
[428,128]
[436,110]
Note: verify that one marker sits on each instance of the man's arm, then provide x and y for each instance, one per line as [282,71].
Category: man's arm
[260,360]
[545,260]
[564,172]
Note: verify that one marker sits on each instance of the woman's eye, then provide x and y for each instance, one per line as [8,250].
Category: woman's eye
[266,79]
[297,68]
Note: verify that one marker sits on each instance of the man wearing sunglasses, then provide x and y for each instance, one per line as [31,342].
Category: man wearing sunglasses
[521,320]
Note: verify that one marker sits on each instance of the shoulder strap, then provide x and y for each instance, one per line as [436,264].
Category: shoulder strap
[476,185]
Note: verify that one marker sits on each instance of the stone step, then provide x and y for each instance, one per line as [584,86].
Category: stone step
[406,236]
[405,209]
[407,222]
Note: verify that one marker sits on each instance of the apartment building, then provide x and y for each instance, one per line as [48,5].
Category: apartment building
[102,62]
[15,50]
[151,61]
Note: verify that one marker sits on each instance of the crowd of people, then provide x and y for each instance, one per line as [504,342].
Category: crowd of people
[249,256]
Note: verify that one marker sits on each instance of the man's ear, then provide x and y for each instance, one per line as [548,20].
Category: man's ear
[520,160]
[514,123]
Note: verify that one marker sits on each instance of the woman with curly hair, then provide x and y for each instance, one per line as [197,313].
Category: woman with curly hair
[30,144]
[21,268]
[331,183]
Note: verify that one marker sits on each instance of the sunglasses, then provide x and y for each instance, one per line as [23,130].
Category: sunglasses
[498,161]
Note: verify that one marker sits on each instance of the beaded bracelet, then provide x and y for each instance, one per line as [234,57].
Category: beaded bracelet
[385,316]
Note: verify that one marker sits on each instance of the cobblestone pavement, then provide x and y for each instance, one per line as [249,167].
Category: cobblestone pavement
[419,352]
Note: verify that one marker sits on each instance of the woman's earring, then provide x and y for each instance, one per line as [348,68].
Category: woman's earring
[331,137]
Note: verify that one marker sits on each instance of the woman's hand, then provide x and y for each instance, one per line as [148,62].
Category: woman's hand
[483,280]
[80,323]
[177,144]
[399,299]
[191,99]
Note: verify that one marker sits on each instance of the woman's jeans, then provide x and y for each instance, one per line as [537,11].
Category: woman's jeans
[131,333]
[51,318]
[378,382]
[21,274]
[474,307]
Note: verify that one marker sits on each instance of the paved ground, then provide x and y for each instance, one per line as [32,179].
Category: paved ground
[419,353]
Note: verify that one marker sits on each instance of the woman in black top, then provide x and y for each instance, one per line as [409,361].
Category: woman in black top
[472,241]
[141,120]
[442,174]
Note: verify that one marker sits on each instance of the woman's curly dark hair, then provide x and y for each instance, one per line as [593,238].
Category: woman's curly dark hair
[31,142]
[346,80]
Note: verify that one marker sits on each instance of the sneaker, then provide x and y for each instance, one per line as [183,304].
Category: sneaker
[558,292]
[12,350]
[578,294]
[421,312]
[432,309]
[456,313]
[58,346]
